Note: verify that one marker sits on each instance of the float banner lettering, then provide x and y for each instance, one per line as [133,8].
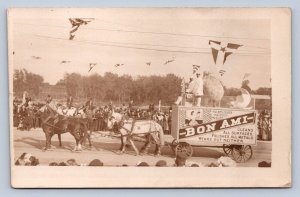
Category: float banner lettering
[217,125]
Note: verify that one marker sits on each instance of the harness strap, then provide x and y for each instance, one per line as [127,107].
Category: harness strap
[132,126]
[45,121]
[54,126]
[129,132]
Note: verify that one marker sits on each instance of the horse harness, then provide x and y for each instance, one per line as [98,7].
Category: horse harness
[52,125]
[129,132]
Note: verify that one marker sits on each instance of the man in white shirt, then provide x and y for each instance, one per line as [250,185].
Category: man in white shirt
[196,88]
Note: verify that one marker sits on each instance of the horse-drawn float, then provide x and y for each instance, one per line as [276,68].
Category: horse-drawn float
[234,130]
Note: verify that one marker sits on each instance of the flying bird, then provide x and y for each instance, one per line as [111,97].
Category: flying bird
[65,61]
[148,63]
[76,23]
[36,57]
[92,65]
[169,61]
[117,65]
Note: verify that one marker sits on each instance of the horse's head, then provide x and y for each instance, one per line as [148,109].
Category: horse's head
[46,111]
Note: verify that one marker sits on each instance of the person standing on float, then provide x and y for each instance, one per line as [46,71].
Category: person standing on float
[196,88]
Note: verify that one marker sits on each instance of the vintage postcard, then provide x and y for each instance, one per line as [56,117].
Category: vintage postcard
[150,97]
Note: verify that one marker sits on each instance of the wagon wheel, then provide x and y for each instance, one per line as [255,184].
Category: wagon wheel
[227,148]
[241,153]
[184,149]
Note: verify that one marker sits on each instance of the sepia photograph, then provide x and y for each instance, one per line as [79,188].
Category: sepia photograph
[189,90]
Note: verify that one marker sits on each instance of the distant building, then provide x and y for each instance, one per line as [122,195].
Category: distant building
[56,91]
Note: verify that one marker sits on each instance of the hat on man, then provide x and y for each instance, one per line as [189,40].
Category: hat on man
[72,162]
[161,163]
[62,164]
[53,164]
[142,164]
[96,162]
[264,164]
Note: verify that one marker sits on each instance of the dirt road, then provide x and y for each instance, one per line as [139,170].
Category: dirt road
[105,147]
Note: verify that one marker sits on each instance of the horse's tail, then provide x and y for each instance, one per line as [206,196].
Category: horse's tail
[160,134]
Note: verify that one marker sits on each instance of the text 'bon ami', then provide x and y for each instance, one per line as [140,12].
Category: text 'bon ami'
[217,125]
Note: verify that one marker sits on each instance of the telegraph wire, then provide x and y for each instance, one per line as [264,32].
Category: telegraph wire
[139,48]
[153,32]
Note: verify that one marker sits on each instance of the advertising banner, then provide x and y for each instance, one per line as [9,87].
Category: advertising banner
[199,125]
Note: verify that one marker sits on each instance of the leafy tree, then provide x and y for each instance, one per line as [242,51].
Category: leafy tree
[263,91]
[26,81]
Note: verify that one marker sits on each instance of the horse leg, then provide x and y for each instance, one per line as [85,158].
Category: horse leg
[48,141]
[122,148]
[88,132]
[133,146]
[52,146]
[76,146]
[79,144]
[59,139]
[155,139]
[89,138]
[83,133]
[87,135]
[157,150]
[123,143]
[145,148]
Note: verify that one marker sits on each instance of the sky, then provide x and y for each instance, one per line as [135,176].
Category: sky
[134,37]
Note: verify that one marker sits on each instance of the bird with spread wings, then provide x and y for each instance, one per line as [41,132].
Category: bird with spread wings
[118,65]
[76,23]
[171,60]
[36,57]
[92,65]
[65,61]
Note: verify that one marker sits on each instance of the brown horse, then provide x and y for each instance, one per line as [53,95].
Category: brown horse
[53,123]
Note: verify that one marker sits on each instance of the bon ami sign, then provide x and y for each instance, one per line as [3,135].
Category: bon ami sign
[236,130]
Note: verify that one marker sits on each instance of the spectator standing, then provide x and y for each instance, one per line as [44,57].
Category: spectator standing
[89,104]
[48,99]
[69,102]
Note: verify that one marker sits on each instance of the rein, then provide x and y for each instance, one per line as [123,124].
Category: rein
[51,125]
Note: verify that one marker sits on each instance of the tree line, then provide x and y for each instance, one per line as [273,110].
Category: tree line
[112,87]
[26,81]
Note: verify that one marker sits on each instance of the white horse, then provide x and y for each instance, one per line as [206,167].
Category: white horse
[128,129]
